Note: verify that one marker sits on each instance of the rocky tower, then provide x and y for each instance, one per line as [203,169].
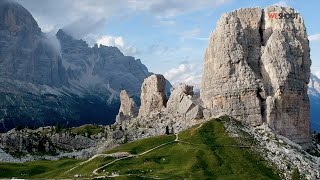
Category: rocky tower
[128,107]
[153,97]
[257,68]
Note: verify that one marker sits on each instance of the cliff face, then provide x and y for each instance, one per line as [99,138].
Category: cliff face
[100,66]
[25,52]
[153,96]
[257,68]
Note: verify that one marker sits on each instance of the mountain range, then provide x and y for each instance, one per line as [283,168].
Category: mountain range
[50,80]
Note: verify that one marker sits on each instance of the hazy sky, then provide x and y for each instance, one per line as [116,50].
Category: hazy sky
[169,36]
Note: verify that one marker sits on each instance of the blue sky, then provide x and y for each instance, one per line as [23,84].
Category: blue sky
[169,36]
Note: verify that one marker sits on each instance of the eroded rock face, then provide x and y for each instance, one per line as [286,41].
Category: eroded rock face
[128,107]
[153,97]
[229,83]
[25,52]
[181,103]
[257,68]
[101,65]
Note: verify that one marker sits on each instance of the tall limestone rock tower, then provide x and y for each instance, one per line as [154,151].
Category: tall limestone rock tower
[257,69]
[153,96]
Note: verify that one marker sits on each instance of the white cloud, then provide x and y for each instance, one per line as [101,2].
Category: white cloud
[282,3]
[50,14]
[315,37]
[184,73]
[84,26]
[119,43]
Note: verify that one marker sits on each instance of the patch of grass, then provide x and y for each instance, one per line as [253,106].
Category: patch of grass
[36,169]
[87,129]
[142,145]
[86,169]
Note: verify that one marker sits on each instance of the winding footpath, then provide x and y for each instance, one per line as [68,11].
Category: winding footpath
[95,172]
[127,155]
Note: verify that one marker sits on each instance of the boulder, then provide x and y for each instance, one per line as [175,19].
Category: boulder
[195,113]
[206,114]
[180,99]
[181,102]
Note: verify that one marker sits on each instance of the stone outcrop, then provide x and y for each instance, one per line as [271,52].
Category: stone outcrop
[46,140]
[153,97]
[195,113]
[256,69]
[181,103]
[128,108]
[180,99]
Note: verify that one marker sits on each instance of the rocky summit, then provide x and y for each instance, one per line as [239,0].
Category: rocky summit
[257,70]
[128,108]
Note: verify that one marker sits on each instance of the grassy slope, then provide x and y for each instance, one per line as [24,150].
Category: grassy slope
[36,168]
[89,129]
[202,154]
[143,145]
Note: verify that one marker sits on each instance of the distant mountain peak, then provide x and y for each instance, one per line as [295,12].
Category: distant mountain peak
[62,34]
[17,19]
[314,86]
